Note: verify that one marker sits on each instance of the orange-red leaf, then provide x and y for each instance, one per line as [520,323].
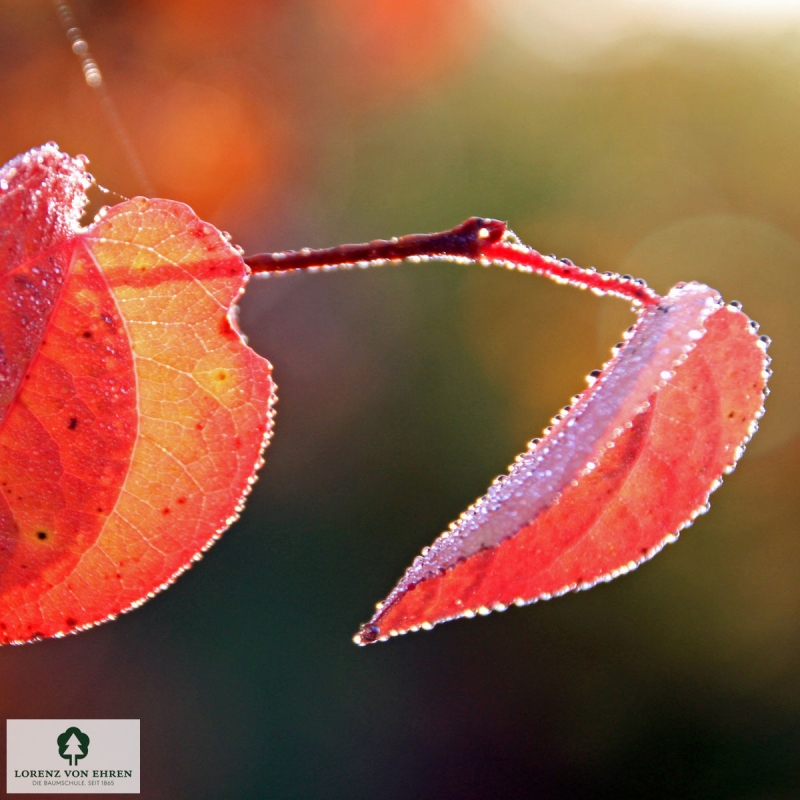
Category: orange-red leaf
[132,414]
[615,478]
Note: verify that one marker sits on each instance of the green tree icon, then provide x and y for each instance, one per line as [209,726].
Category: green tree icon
[73,744]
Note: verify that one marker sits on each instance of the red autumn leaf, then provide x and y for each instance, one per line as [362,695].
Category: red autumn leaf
[132,414]
[615,478]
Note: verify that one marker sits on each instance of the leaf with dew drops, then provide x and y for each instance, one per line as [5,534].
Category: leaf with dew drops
[132,414]
[619,473]
[615,478]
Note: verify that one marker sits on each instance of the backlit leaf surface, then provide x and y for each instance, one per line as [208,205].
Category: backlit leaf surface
[617,476]
[132,414]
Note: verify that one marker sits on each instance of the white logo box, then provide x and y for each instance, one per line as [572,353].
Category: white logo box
[35,765]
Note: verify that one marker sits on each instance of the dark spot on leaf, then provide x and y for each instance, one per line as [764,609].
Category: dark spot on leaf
[42,535]
[71,621]
[73,423]
[369,633]
[181,500]
[165,511]
[732,415]
[87,334]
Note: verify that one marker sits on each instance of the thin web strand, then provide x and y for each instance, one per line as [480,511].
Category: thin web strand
[94,80]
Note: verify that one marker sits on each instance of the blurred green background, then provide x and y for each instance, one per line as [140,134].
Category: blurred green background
[623,135]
